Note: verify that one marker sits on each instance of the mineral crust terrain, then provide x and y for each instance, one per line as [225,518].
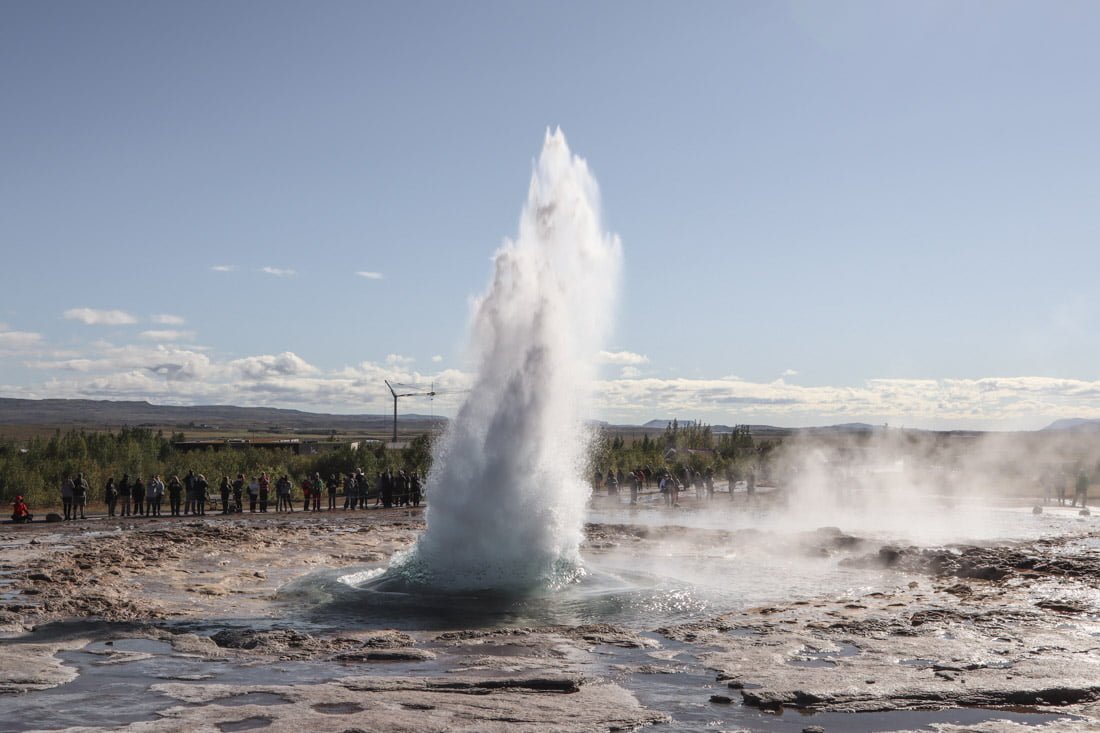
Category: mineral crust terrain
[1009,632]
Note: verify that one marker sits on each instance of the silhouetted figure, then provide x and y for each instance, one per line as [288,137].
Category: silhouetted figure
[67,497]
[1081,490]
[110,495]
[175,495]
[137,492]
[124,495]
[225,489]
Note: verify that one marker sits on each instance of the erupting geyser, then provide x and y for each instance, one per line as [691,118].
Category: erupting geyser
[507,498]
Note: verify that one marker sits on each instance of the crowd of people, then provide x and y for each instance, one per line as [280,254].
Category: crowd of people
[669,482]
[191,496]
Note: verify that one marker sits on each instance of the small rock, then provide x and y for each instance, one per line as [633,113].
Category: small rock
[259,574]
[721,699]
[813,729]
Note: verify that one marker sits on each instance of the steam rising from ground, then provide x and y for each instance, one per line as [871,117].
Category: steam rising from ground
[507,499]
[926,487]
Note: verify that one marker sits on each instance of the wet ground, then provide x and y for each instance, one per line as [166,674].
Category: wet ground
[716,616]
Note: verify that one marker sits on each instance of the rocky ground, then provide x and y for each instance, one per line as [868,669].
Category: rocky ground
[1011,632]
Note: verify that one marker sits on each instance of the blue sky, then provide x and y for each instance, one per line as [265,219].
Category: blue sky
[829,212]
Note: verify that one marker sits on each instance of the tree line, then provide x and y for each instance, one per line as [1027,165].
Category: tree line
[35,468]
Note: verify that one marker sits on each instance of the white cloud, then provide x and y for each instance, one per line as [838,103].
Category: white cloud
[278,271]
[369,275]
[437,358]
[398,359]
[93,317]
[168,319]
[168,335]
[223,268]
[268,366]
[622,357]
[19,341]
[790,373]
[629,372]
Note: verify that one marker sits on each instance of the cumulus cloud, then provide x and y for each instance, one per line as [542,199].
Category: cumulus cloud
[278,271]
[369,275]
[271,366]
[94,317]
[223,268]
[622,358]
[167,319]
[18,341]
[437,358]
[398,359]
[168,335]
[790,373]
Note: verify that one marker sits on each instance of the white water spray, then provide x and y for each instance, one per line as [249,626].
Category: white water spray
[506,497]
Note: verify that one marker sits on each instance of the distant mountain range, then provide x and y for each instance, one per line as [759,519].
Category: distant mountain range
[112,414]
[1075,424]
[853,427]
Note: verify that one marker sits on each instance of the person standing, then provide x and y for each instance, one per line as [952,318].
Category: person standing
[67,497]
[238,493]
[155,493]
[265,491]
[175,491]
[189,493]
[110,495]
[333,486]
[124,494]
[138,493]
[225,488]
[351,492]
[201,487]
[386,486]
[80,494]
[415,488]
[318,488]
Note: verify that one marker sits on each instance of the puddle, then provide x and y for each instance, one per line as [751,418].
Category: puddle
[743,633]
[338,708]
[921,663]
[246,724]
[252,698]
[119,693]
[823,658]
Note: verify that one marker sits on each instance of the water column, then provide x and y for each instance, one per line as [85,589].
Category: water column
[507,497]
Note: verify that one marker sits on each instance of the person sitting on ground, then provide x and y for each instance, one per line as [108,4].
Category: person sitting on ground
[20,514]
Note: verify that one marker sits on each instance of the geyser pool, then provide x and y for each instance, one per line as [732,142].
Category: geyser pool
[507,498]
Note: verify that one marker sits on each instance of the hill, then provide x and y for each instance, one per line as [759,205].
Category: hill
[115,414]
[1075,424]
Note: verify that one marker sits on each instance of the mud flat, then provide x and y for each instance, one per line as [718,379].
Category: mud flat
[230,623]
